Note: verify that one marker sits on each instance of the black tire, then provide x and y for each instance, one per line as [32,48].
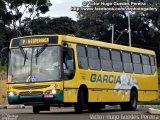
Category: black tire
[133,101]
[124,106]
[36,109]
[81,103]
[132,105]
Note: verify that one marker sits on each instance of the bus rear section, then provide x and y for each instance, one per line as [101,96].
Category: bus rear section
[115,75]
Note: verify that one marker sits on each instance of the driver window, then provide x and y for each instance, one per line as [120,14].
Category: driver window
[68,63]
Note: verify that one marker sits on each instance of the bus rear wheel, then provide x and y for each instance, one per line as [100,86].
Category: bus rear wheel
[132,105]
[81,103]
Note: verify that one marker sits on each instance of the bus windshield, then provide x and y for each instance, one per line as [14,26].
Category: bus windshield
[35,64]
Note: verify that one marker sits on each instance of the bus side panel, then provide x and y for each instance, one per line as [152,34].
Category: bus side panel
[147,87]
[150,95]
[70,95]
[108,96]
[147,95]
[102,87]
[140,95]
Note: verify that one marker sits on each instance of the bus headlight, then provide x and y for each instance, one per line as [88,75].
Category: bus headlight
[52,91]
[12,94]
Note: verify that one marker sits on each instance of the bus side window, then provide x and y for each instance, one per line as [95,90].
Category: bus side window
[146,65]
[68,63]
[116,61]
[93,58]
[106,63]
[152,63]
[127,62]
[82,57]
[137,65]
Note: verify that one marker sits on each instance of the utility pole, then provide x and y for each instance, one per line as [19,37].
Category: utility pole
[129,28]
[112,33]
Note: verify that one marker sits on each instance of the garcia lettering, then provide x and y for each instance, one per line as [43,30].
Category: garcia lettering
[98,78]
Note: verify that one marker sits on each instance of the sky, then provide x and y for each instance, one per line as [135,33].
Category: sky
[62,8]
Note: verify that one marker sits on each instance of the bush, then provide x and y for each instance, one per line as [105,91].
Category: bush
[3,67]
[158,73]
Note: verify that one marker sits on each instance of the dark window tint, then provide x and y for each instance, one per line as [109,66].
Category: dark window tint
[146,65]
[82,57]
[136,58]
[152,61]
[116,55]
[126,56]
[105,54]
[116,61]
[93,58]
[137,65]
[68,63]
[145,59]
[127,62]
[106,63]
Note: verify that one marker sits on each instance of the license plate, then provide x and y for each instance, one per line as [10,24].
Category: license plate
[48,96]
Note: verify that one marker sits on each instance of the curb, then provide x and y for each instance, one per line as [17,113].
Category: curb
[12,107]
[1,106]
[15,107]
[147,106]
[154,111]
[138,106]
[150,107]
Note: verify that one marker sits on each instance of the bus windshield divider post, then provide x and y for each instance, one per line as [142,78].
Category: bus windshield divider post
[23,53]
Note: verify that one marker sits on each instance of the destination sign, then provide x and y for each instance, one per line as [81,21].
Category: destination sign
[34,40]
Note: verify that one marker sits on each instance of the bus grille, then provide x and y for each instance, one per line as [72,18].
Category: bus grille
[30,93]
[30,87]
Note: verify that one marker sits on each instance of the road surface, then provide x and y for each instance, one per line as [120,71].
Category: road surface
[68,114]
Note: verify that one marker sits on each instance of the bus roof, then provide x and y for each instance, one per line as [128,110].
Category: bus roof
[105,45]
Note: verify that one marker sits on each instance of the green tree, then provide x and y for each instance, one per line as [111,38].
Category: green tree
[145,25]
[2,27]
[46,25]
[19,13]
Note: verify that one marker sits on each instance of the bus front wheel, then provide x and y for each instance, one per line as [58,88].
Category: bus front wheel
[81,103]
[36,109]
[132,105]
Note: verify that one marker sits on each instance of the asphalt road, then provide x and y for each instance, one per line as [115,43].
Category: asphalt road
[68,114]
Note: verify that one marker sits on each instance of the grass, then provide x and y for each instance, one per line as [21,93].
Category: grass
[159,73]
[3,68]
[158,108]
[149,103]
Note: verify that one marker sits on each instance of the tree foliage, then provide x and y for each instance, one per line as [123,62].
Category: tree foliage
[45,25]
[19,13]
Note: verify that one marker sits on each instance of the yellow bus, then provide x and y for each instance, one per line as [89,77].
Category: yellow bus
[61,70]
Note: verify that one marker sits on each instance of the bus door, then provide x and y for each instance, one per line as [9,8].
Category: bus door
[68,75]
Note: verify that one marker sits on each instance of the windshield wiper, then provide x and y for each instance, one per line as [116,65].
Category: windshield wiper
[40,51]
[24,54]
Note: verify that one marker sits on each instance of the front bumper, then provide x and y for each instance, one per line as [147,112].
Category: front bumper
[36,99]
